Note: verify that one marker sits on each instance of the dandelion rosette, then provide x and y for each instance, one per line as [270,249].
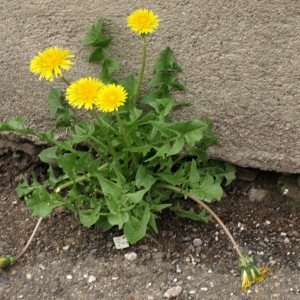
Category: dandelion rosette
[84,92]
[111,97]
[143,21]
[50,62]
[250,273]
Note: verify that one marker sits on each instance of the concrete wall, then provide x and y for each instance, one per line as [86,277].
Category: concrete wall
[241,62]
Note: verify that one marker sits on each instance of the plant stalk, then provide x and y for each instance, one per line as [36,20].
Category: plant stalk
[143,64]
[205,206]
[67,82]
[78,179]
[31,238]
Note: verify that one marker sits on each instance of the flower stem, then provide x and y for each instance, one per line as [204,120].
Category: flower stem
[142,70]
[30,239]
[67,82]
[108,141]
[205,206]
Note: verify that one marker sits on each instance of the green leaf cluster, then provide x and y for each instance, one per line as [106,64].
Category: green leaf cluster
[108,170]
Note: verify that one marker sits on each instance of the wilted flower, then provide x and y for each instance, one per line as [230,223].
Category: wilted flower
[84,92]
[111,97]
[143,21]
[7,261]
[50,62]
[250,273]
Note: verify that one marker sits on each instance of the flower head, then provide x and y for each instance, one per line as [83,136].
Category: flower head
[50,62]
[250,273]
[111,97]
[143,21]
[7,261]
[84,92]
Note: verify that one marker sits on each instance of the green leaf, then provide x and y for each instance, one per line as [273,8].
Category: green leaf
[108,66]
[141,149]
[15,124]
[194,177]
[94,36]
[41,202]
[118,218]
[83,131]
[162,106]
[89,217]
[103,223]
[103,43]
[136,227]
[136,197]
[48,154]
[192,130]
[75,163]
[176,178]
[165,62]
[110,189]
[165,78]
[96,55]
[53,180]
[24,189]
[144,178]
[130,85]
[208,190]
[54,101]
[177,146]
[161,151]
[63,118]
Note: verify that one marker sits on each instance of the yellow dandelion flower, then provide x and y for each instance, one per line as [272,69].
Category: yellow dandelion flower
[111,97]
[250,274]
[143,21]
[50,62]
[84,92]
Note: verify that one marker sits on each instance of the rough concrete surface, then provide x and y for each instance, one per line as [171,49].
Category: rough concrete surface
[240,60]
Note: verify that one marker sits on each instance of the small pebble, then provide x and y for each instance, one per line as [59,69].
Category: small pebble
[173,292]
[121,242]
[131,256]
[197,242]
[286,240]
[69,277]
[42,267]
[28,276]
[91,279]
[204,289]
[257,194]
[158,255]
[178,269]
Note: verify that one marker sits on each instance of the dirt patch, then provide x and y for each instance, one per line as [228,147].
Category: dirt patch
[68,261]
